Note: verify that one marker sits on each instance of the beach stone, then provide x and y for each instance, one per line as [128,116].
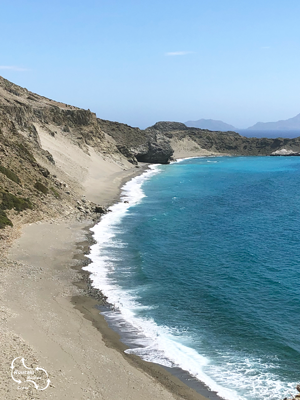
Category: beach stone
[100,210]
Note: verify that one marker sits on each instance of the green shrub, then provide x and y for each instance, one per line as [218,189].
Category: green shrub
[4,221]
[55,193]
[10,201]
[40,187]
[10,175]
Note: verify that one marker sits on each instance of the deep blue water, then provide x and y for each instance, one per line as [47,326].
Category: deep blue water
[206,268]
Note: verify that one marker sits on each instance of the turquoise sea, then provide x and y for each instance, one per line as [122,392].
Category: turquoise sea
[202,266]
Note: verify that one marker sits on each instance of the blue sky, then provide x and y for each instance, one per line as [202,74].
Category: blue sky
[140,61]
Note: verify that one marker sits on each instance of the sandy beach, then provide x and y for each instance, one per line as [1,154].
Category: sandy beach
[48,318]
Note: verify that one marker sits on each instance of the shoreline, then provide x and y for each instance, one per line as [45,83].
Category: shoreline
[90,307]
[50,319]
[116,339]
[176,380]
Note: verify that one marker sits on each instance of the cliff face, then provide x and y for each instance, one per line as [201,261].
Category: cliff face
[144,146]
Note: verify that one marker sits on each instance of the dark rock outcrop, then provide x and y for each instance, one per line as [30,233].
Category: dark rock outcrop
[158,152]
[127,153]
[149,146]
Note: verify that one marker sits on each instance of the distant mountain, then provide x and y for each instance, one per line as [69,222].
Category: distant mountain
[291,124]
[210,124]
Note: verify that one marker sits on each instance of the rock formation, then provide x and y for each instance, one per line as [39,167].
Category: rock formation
[138,145]
[285,152]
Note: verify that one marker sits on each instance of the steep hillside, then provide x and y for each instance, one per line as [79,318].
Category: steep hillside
[49,151]
[54,157]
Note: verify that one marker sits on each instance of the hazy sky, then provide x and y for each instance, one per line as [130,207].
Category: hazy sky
[140,61]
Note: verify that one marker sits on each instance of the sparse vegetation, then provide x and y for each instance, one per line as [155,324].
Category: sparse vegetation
[10,175]
[10,201]
[31,98]
[55,193]
[41,188]
[24,152]
[4,221]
